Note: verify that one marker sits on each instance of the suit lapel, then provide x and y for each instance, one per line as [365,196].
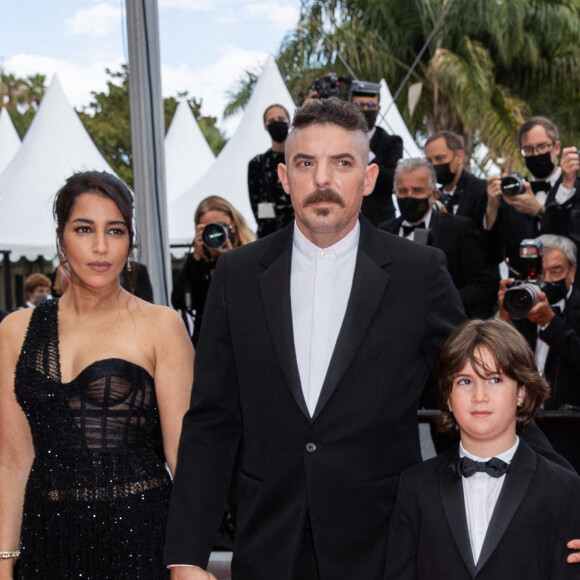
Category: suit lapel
[274,285]
[451,488]
[368,286]
[513,491]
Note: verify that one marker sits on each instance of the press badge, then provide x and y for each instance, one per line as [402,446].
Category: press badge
[266,210]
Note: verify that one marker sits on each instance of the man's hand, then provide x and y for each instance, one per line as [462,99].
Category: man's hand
[190,573]
[503,284]
[542,312]
[526,202]
[493,200]
[574,558]
[570,164]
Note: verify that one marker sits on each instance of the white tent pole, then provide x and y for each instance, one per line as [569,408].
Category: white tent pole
[147,133]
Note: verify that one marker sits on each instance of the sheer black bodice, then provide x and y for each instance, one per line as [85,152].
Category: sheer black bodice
[97,495]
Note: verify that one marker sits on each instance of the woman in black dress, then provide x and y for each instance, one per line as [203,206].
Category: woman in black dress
[88,384]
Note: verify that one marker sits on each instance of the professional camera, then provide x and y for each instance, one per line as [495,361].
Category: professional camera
[216,234]
[522,295]
[332,85]
[513,184]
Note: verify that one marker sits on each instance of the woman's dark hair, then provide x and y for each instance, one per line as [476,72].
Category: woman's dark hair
[99,182]
[513,357]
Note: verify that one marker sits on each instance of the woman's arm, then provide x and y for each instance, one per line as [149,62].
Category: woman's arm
[16,448]
[173,377]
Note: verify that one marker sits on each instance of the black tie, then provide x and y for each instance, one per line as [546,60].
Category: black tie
[557,310]
[450,200]
[540,186]
[466,467]
[408,229]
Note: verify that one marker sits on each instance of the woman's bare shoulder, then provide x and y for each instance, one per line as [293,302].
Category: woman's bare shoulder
[13,329]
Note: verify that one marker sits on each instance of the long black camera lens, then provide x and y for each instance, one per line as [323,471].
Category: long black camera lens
[519,300]
[215,235]
[512,184]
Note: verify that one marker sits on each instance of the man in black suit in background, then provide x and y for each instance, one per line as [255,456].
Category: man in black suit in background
[385,151]
[462,193]
[455,236]
[555,338]
[321,341]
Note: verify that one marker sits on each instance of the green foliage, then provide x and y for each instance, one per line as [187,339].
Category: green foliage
[491,64]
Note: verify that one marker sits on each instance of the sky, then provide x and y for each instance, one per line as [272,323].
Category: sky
[205,45]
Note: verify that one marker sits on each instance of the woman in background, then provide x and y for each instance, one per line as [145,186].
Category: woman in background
[192,283]
[88,383]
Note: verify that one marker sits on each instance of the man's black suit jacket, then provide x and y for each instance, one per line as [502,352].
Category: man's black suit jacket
[342,464]
[472,194]
[536,514]
[378,206]
[458,239]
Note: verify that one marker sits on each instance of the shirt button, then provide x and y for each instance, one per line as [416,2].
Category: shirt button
[310,447]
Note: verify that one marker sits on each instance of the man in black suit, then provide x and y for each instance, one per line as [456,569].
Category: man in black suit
[385,151]
[463,194]
[319,342]
[550,202]
[456,236]
[555,339]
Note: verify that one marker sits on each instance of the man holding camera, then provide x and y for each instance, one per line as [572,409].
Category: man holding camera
[271,206]
[549,203]
[385,151]
[552,329]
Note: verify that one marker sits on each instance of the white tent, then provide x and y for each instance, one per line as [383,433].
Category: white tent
[55,146]
[187,153]
[228,176]
[392,122]
[9,140]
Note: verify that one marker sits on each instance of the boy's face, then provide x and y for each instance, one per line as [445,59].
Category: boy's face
[485,408]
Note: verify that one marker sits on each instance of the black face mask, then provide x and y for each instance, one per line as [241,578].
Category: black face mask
[413,208]
[371,118]
[444,175]
[540,166]
[555,291]
[278,131]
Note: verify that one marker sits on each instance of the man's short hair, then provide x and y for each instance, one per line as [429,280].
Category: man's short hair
[551,129]
[330,111]
[453,141]
[34,281]
[513,357]
[414,164]
[280,107]
[565,245]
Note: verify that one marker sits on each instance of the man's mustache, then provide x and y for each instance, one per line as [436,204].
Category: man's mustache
[323,195]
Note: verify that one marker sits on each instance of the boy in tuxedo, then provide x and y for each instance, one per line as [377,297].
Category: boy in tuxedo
[490,507]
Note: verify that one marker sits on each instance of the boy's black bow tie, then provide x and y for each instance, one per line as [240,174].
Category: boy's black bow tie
[466,467]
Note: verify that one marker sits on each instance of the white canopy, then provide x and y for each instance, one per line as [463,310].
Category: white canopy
[228,176]
[187,153]
[391,121]
[55,146]
[9,140]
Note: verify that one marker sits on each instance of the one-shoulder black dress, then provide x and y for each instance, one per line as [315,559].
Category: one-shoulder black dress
[97,496]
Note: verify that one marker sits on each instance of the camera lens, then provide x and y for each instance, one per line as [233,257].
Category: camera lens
[512,185]
[519,300]
[214,236]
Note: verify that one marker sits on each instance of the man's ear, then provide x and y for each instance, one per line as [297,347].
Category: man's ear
[283,176]
[521,395]
[371,174]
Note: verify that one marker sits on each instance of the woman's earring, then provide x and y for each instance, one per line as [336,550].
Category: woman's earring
[61,255]
[128,264]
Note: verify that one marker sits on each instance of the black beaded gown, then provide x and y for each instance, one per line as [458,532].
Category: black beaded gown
[97,496]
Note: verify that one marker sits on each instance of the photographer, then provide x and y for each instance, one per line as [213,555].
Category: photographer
[546,204]
[271,206]
[555,338]
[192,283]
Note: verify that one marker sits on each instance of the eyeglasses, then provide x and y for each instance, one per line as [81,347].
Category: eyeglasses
[539,149]
[361,105]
